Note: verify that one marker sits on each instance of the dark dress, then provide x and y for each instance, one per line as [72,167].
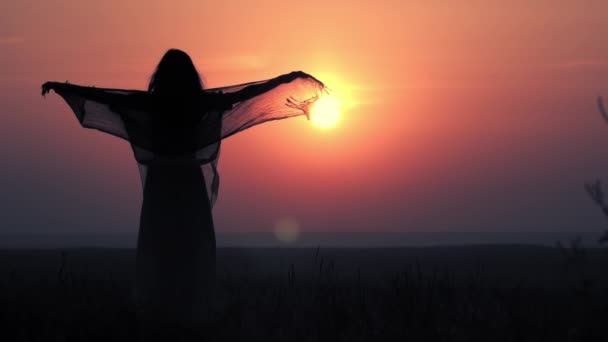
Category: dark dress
[176,245]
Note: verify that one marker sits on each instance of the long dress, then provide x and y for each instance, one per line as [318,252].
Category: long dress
[176,246]
[175,272]
[176,144]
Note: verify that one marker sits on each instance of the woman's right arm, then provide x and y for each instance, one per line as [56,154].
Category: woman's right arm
[260,88]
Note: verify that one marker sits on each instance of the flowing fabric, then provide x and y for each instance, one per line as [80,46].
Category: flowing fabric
[202,122]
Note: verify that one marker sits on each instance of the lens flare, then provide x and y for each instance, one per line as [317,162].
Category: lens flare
[287,230]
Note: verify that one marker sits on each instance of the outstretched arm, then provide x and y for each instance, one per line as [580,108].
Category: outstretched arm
[100,95]
[260,88]
[99,108]
[250,104]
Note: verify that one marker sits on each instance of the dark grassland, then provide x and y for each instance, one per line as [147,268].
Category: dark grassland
[468,293]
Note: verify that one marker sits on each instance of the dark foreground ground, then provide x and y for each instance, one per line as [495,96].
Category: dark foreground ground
[473,293]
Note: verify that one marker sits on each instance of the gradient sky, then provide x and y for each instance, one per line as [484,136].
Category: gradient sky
[463,115]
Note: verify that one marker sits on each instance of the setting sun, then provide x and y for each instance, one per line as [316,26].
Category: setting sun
[325,112]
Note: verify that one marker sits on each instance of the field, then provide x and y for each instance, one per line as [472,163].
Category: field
[466,293]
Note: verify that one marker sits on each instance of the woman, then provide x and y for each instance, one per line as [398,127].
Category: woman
[175,130]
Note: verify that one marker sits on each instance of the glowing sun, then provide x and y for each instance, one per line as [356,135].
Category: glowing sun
[325,112]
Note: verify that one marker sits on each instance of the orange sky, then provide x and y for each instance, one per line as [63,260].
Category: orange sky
[466,115]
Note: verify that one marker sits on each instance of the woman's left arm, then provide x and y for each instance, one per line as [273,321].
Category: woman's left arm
[106,110]
[100,95]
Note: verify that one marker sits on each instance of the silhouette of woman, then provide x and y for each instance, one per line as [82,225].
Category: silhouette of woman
[175,130]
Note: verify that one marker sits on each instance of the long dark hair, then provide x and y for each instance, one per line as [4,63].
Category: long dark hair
[175,75]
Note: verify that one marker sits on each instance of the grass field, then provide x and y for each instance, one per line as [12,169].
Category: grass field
[468,293]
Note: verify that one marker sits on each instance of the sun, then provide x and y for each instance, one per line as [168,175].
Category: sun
[325,112]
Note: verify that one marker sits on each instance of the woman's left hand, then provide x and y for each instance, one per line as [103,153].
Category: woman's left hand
[46,87]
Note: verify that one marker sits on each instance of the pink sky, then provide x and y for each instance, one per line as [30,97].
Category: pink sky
[467,115]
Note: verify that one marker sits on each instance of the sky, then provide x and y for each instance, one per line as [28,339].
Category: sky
[457,115]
